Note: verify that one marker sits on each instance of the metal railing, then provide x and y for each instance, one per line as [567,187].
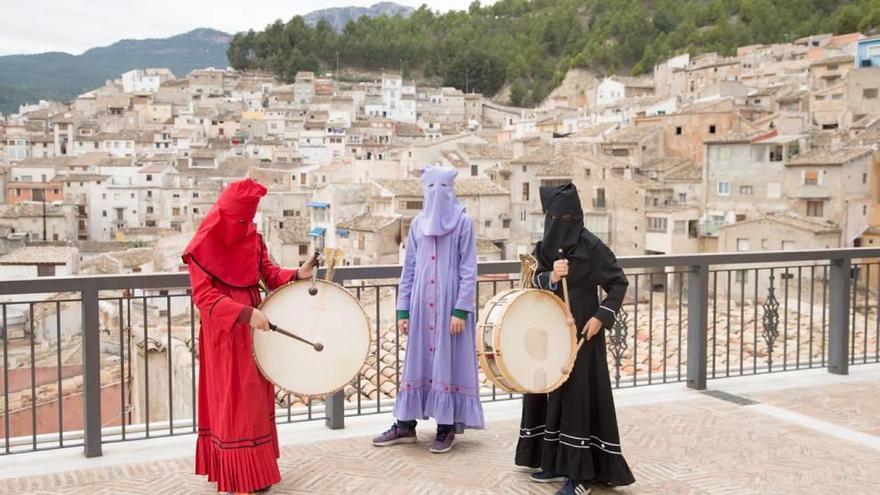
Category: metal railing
[92,360]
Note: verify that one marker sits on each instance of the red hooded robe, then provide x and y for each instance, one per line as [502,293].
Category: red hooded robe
[237,445]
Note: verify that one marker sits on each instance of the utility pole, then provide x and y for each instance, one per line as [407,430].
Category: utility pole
[337,65]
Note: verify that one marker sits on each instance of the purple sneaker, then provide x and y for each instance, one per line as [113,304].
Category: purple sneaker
[443,442]
[394,436]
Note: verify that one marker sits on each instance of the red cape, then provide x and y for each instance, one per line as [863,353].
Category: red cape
[227,245]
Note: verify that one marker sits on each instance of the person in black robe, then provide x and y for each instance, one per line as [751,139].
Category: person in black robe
[571,434]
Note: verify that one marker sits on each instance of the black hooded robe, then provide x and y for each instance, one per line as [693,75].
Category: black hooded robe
[573,430]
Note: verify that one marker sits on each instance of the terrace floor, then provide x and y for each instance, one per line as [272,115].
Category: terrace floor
[797,432]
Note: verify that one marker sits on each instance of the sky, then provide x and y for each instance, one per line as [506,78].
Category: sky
[74,26]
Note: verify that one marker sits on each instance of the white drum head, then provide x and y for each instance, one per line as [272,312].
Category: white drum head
[332,317]
[536,340]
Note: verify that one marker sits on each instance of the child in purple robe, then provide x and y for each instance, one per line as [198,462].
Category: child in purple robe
[435,309]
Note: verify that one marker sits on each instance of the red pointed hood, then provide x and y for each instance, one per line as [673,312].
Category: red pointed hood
[227,245]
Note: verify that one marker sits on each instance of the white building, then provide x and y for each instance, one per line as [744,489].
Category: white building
[145,81]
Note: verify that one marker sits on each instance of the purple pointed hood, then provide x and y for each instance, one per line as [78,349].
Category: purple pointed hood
[442,209]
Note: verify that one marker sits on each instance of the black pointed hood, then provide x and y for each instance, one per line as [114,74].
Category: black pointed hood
[563,221]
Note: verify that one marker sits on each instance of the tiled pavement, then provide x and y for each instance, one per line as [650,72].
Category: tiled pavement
[688,443]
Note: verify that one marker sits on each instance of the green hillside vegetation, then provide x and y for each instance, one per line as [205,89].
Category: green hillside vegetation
[531,44]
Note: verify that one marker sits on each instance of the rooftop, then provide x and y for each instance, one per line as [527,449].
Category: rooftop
[40,255]
[368,223]
[821,156]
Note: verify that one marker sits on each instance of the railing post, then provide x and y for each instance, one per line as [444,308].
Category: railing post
[91,352]
[698,313]
[838,314]
[334,407]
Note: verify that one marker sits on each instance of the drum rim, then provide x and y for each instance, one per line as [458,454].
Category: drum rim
[322,395]
[502,365]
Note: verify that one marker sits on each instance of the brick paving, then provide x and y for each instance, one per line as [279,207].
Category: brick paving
[701,445]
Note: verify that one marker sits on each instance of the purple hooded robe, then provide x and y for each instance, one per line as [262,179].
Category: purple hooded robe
[439,280]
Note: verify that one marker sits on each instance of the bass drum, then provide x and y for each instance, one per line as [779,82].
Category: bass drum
[332,317]
[526,342]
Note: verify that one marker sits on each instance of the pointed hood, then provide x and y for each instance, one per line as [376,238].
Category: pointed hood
[226,244]
[442,210]
[564,220]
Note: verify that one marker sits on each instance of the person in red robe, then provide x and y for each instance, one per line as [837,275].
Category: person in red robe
[237,444]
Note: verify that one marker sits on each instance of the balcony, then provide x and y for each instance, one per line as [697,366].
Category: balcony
[108,360]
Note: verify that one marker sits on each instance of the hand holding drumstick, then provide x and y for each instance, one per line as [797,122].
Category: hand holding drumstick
[560,271]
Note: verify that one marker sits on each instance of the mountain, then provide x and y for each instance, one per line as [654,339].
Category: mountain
[62,76]
[339,17]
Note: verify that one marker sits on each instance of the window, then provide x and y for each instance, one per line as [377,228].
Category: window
[865,210]
[505,223]
[104,213]
[811,178]
[586,172]
[765,244]
[678,130]
[149,209]
[195,194]
[814,208]
[303,249]
[150,223]
[474,170]
[175,211]
[599,200]
[525,191]
[682,198]
[522,215]
[746,190]
[788,245]
[488,224]
[412,205]
[196,210]
[711,129]
[742,245]
[620,152]
[723,188]
[869,94]
[680,226]
[740,217]
[864,178]
[776,153]
[149,178]
[657,224]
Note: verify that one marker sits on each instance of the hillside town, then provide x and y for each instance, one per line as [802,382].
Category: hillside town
[775,148]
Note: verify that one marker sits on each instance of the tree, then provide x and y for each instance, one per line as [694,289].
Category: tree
[518,93]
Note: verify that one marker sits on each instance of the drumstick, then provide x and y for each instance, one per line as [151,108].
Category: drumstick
[565,288]
[316,345]
[313,290]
